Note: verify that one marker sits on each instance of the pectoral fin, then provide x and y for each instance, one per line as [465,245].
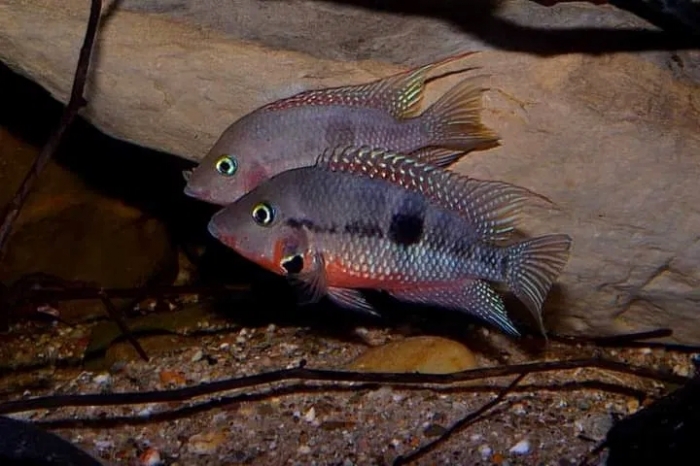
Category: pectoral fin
[474,297]
[352,299]
[310,283]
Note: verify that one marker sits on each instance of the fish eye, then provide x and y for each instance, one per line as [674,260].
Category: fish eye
[293,264]
[227,165]
[263,214]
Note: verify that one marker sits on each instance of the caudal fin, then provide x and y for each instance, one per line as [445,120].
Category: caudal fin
[454,120]
[533,266]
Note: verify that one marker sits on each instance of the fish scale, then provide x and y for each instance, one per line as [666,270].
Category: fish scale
[338,231]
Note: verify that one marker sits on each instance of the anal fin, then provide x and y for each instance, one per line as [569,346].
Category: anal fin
[474,297]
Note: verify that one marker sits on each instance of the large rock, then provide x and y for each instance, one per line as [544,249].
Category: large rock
[612,139]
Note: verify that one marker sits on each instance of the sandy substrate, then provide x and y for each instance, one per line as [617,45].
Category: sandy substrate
[550,419]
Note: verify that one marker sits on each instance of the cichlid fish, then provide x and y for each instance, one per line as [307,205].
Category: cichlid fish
[282,135]
[372,219]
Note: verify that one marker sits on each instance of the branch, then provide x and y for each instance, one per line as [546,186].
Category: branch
[466,421]
[75,103]
[301,373]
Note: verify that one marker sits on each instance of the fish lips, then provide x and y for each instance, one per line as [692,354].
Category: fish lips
[215,227]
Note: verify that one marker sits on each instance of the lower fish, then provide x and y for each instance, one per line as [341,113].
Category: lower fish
[364,218]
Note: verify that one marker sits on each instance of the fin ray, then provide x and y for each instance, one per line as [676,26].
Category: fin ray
[439,156]
[533,266]
[351,299]
[454,120]
[399,94]
[474,297]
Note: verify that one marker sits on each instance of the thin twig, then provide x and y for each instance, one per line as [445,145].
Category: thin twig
[76,102]
[466,421]
[114,314]
[70,294]
[302,373]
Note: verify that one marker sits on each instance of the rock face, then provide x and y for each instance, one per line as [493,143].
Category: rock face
[70,232]
[612,139]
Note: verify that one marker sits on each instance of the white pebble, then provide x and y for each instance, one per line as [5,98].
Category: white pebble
[521,448]
[104,444]
[197,356]
[102,379]
[304,450]
[310,415]
[485,452]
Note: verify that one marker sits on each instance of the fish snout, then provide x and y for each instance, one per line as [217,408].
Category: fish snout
[196,192]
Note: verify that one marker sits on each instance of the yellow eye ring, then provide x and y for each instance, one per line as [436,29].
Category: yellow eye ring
[227,165]
[263,214]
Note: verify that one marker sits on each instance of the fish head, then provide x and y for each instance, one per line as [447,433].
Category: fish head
[233,167]
[256,227]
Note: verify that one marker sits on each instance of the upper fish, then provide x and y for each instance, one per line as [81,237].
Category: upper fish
[291,132]
[364,218]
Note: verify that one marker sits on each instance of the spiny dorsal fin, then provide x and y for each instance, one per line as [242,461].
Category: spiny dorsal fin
[440,156]
[399,94]
[491,207]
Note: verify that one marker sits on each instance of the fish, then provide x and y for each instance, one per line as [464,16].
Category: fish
[291,132]
[398,225]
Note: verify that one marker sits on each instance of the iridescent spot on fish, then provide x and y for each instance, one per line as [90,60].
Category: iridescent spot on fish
[408,222]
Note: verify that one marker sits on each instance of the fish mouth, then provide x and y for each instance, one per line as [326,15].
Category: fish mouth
[197,193]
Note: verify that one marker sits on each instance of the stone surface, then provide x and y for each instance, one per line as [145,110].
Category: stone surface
[71,232]
[612,139]
[425,354]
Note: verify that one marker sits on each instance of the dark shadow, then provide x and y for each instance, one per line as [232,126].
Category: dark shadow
[479,18]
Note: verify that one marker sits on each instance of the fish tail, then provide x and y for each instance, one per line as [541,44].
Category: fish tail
[532,267]
[454,120]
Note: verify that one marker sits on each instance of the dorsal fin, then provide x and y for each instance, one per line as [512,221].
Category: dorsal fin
[491,207]
[399,94]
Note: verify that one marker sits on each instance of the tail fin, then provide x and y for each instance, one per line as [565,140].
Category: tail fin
[533,265]
[454,120]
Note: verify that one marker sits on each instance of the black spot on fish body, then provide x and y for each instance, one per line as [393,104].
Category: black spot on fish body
[364,229]
[406,229]
[408,222]
[299,223]
[293,265]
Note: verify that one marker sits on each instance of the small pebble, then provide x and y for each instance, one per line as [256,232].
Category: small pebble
[102,379]
[310,415]
[485,451]
[632,406]
[304,450]
[205,443]
[150,457]
[521,448]
[681,370]
[518,408]
[198,356]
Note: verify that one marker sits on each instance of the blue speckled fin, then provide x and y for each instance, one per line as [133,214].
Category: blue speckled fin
[400,94]
[532,267]
[474,297]
[491,208]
